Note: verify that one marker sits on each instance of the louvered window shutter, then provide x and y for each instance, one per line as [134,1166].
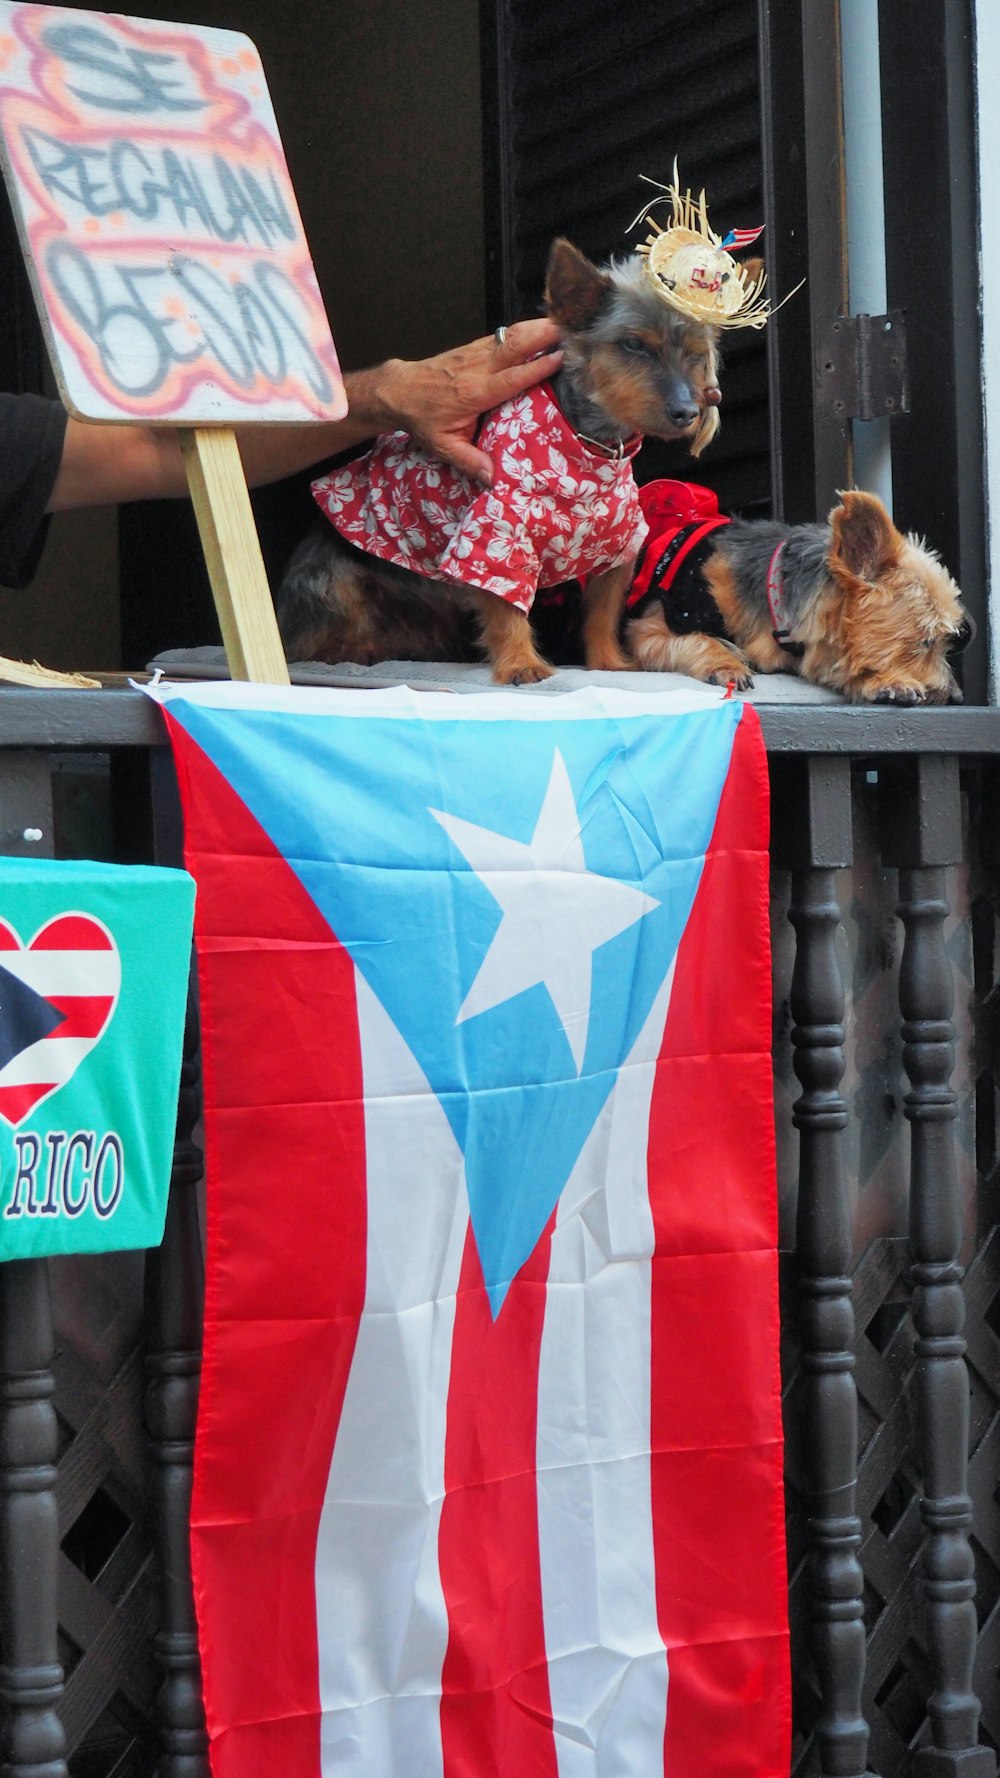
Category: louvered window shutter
[578,101]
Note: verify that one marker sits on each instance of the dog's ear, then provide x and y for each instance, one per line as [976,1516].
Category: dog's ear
[864,542]
[753,268]
[574,289]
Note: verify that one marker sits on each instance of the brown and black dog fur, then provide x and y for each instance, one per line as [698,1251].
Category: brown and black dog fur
[632,365]
[870,612]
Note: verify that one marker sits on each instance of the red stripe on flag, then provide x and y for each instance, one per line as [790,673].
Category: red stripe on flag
[16,1102]
[496,1713]
[85,1015]
[9,940]
[73,932]
[290,1235]
[716,1417]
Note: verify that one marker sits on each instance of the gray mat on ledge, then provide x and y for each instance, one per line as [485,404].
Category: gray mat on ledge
[210,663]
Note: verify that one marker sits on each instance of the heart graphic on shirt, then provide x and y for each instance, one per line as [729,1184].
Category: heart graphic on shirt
[57,995]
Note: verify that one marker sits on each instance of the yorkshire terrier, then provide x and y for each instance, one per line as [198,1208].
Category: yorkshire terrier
[852,604]
[563,504]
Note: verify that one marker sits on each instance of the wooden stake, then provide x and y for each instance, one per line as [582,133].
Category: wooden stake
[232,555]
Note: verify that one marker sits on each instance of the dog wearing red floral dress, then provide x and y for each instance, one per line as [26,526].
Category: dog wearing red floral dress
[413,545]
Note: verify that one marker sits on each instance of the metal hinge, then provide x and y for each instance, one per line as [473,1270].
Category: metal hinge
[862,371]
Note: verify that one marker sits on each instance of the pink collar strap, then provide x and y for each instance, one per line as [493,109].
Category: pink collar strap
[780,626]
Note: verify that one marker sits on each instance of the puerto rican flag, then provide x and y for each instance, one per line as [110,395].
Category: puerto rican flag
[742,237]
[488,1469]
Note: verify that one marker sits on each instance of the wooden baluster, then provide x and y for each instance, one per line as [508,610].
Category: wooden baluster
[923,826]
[812,836]
[31,1677]
[174,1290]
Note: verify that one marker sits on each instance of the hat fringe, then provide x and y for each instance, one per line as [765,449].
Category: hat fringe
[689,227]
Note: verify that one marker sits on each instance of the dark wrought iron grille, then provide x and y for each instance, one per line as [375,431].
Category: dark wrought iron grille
[107,1582]
[99,1366]
[99,1669]
[850,925]
[578,102]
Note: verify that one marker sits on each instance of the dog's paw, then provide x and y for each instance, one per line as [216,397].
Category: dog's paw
[943,694]
[738,677]
[527,673]
[901,694]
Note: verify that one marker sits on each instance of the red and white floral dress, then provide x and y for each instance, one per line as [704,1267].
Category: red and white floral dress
[558,509]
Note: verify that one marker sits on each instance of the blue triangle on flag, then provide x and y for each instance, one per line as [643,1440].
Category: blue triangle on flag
[25,1017]
[375,814]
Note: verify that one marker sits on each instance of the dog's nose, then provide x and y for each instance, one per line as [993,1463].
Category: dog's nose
[678,400]
[963,636]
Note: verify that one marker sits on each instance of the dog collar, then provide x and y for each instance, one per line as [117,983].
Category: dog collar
[619,453]
[781,629]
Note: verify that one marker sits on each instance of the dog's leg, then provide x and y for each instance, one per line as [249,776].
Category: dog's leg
[507,639]
[603,604]
[655,649]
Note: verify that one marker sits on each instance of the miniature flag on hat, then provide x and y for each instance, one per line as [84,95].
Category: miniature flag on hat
[742,237]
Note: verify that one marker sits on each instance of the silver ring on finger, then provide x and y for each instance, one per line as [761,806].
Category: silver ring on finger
[500,335]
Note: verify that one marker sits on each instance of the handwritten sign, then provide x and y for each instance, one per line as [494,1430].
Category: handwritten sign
[159,222]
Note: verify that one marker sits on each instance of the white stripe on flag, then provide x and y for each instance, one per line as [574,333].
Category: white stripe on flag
[65,973]
[50,1062]
[607,1662]
[491,704]
[381,1617]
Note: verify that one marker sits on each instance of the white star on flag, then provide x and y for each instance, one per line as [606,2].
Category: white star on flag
[556,912]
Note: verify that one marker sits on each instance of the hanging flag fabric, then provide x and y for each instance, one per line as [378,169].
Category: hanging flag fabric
[488,1467]
[94,963]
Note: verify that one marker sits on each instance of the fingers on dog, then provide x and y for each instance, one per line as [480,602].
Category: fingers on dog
[508,383]
[521,339]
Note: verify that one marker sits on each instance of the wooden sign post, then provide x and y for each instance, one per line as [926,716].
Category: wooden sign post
[232,555]
[168,258]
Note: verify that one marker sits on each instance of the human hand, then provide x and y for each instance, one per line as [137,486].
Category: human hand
[440,400]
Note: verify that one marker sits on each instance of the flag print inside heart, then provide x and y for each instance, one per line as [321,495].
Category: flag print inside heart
[57,995]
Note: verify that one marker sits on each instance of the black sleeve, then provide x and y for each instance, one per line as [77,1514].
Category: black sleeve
[32,431]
